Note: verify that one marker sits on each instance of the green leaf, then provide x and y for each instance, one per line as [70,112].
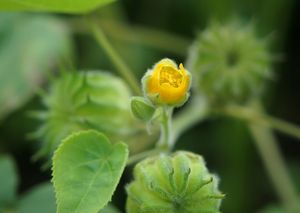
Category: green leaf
[67,6]
[30,45]
[109,209]
[86,171]
[8,181]
[40,199]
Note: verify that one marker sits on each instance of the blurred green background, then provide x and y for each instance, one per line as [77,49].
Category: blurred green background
[32,43]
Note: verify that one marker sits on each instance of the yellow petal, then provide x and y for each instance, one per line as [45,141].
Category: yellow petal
[168,82]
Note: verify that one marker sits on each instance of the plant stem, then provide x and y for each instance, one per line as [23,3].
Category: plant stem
[121,66]
[267,146]
[153,38]
[196,111]
[166,141]
[276,168]
[284,126]
[249,114]
[135,158]
[147,36]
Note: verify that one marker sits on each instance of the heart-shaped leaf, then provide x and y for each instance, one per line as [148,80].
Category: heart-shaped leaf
[86,171]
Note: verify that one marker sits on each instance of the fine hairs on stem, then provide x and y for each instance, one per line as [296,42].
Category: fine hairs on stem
[121,66]
[267,146]
[166,140]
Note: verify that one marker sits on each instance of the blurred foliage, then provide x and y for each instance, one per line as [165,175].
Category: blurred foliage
[33,43]
[30,45]
[86,100]
[229,63]
[38,199]
[8,180]
[69,6]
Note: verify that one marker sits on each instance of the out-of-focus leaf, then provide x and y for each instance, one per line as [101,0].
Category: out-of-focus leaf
[109,209]
[40,199]
[30,45]
[272,209]
[86,171]
[8,181]
[68,6]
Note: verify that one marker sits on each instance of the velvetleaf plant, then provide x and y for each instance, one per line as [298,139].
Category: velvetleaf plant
[87,166]
[241,60]
[164,183]
[165,87]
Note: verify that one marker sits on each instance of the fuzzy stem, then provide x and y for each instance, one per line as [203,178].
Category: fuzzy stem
[250,114]
[196,111]
[283,126]
[273,161]
[140,156]
[121,66]
[270,153]
[166,141]
[150,37]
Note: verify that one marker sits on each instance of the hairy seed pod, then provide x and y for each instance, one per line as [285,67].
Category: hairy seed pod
[229,63]
[179,183]
[87,100]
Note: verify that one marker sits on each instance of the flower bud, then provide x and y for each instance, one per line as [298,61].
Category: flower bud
[171,184]
[167,84]
[229,63]
[142,109]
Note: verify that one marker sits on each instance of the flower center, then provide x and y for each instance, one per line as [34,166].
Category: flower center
[170,76]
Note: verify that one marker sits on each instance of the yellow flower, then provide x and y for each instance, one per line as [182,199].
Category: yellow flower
[166,84]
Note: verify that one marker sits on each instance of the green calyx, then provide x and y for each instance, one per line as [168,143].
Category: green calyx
[179,183]
[142,109]
[86,100]
[229,63]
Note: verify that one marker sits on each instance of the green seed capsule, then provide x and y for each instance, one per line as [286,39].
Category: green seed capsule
[229,63]
[179,183]
[87,100]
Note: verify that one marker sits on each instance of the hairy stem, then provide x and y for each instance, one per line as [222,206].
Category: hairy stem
[270,153]
[166,141]
[250,114]
[196,111]
[121,66]
[276,168]
[140,156]
[153,38]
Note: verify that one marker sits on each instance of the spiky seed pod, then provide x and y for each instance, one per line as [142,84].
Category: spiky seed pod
[229,63]
[179,183]
[86,100]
